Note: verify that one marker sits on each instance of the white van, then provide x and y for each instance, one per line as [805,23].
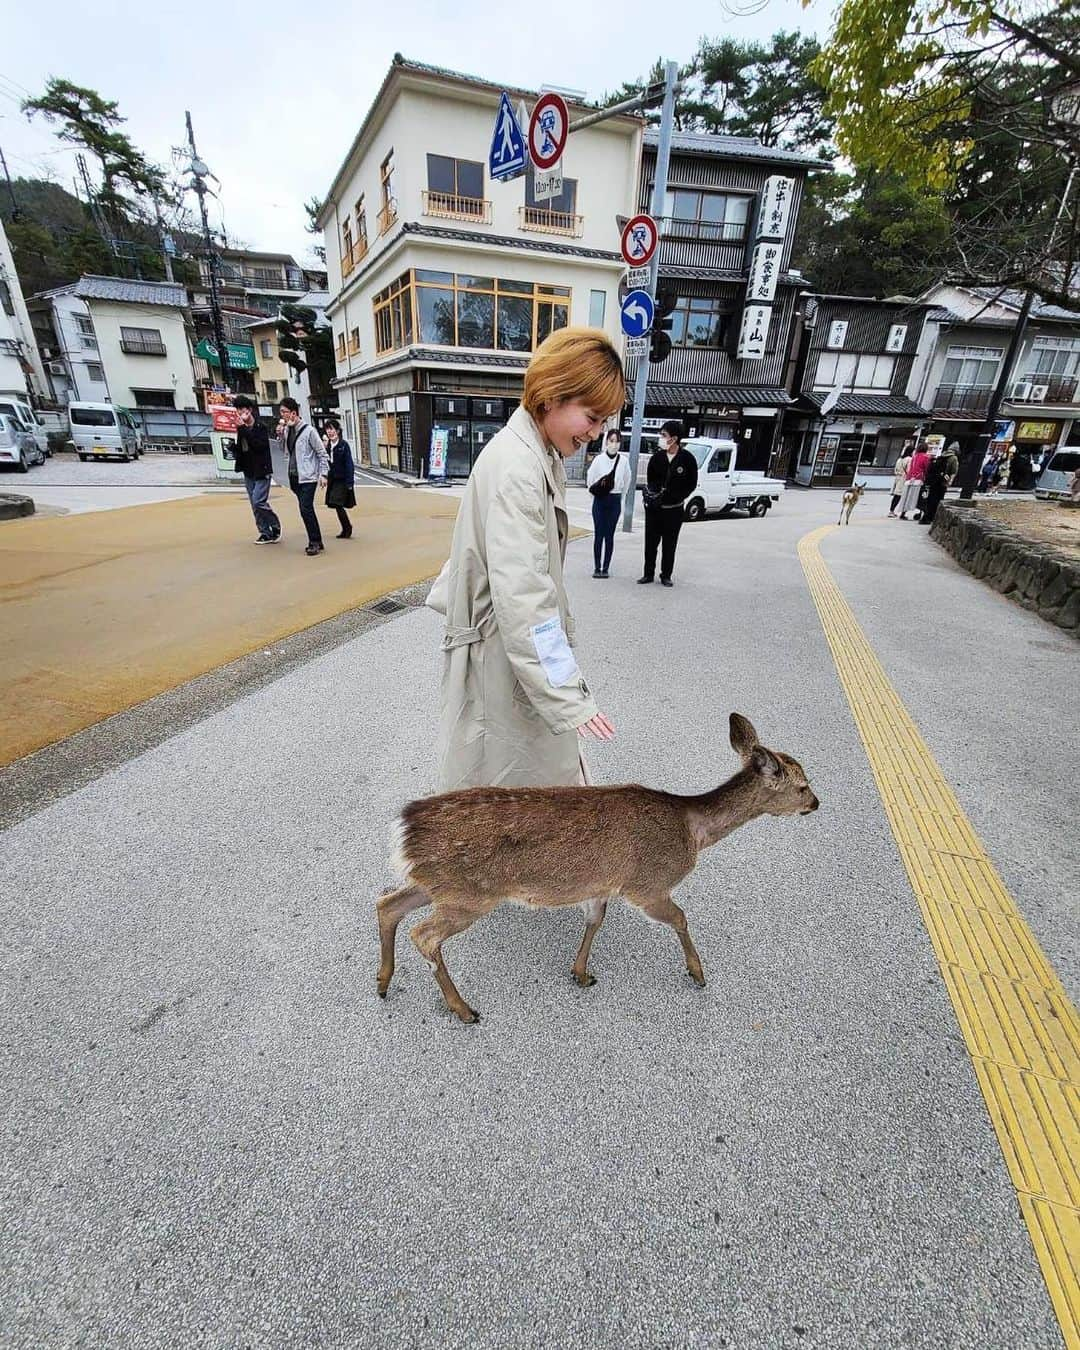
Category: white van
[1055,481]
[18,409]
[104,431]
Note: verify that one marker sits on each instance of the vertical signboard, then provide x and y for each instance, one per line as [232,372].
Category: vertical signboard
[773,218]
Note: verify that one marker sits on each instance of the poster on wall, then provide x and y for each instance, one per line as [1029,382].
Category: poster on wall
[440,444]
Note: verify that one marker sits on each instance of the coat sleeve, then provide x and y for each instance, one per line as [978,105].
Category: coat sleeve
[622,475]
[526,605]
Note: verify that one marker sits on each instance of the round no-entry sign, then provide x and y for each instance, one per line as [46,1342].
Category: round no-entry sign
[548,129]
[639,239]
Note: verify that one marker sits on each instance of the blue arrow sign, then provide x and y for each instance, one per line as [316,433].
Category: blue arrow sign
[507,156]
[637,314]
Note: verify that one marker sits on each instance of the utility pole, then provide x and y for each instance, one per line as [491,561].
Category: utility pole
[15,213]
[199,175]
[663,155]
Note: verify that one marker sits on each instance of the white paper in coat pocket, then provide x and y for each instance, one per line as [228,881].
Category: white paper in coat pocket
[554,652]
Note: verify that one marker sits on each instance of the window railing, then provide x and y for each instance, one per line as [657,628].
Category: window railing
[962,398]
[387,216]
[711,231]
[539,220]
[450,206]
[143,346]
[1058,388]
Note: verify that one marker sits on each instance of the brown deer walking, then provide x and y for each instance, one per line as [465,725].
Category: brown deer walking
[467,852]
[851,500]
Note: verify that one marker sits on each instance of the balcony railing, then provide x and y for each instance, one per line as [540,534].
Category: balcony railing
[538,220]
[962,398]
[449,206]
[149,346]
[709,231]
[260,278]
[1058,388]
[387,216]
[352,257]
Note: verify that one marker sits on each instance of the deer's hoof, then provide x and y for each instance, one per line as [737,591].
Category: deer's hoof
[586,981]
[698,977]
[469,1015]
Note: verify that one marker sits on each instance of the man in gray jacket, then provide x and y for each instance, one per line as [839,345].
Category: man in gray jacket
[308,463]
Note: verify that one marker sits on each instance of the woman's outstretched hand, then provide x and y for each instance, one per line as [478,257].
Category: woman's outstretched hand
[598,727]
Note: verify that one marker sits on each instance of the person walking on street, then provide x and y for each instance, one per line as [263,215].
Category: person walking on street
[514,703]
[900,476]
[943,469]
[308,463]
[608,479]
[915,479]
[253,460]
[672,476]
[340,479]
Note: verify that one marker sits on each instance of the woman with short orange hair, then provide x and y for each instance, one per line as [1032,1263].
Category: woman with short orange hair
[514,702]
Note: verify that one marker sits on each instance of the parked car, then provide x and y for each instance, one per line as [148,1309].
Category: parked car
[18,408]
[1055,481]
[18,449]
[104,431]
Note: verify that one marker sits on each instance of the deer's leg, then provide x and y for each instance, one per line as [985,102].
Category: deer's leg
[392,908]
[594,917]
[662,909]
[428,937]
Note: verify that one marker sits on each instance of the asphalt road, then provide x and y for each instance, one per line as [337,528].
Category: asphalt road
[216,1135]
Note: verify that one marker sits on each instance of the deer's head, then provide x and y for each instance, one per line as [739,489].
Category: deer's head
[781,777]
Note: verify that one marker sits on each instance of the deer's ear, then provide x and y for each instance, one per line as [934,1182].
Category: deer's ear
[743,735]
[765,763]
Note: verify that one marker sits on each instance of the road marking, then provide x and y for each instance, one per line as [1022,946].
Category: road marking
[1021,1031]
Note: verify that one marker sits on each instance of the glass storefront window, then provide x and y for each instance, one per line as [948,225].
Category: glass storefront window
[435,308]
[447,310]
[515,323]
[476,320]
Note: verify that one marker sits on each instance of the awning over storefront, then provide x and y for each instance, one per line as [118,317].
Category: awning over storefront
[715,395]
[241,357]
[862,405]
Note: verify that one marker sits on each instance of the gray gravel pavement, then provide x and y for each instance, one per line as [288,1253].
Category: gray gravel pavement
[215,1134]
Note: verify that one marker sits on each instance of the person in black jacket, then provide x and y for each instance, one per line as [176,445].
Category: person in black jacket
[253,461]
[672,476]
[340,479]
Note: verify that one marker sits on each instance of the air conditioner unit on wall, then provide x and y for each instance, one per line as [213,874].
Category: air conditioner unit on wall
[1021,391]
[56,368]
[1039,393]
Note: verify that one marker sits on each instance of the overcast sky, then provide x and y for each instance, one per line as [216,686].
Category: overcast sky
[277,91]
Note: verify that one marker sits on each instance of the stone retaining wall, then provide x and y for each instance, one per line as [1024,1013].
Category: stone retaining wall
[12,506]
[1036,575]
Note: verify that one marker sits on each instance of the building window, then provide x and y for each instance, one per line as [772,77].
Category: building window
[354,342]
[974,366]
[142,342]
[265,348]
[1054,356]
[347,260]
[85,325]
[846,370]
[455,188]
[270,392]
[154,398]
[95,372]
[388,212]
[557,216]
[690,213]
[445,309]
[597,308]
[6,302]
[700,321]
[361,222]
[341,345]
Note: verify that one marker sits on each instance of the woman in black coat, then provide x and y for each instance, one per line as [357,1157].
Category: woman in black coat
[340,479]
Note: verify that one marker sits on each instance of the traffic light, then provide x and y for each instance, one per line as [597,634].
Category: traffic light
[660,345]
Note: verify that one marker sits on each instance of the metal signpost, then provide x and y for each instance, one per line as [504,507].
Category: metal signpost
[632,258]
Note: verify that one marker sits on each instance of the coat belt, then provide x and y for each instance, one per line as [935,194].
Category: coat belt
[462,637]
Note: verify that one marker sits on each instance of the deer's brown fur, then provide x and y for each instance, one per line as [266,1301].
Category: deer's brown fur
[465,853]
[851,500]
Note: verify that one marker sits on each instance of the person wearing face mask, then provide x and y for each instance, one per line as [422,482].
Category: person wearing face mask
[253,461]
[608,479]
[672,476]
[514,703]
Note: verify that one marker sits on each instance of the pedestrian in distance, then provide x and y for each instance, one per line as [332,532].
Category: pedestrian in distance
[308,464]
[252,457]
[341,478]
[915,479]
[900,476]
[671,478]
[939,477]
[608,479]
[515,705]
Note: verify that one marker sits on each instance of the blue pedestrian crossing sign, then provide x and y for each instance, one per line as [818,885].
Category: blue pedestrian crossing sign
[637,314]
[507,156]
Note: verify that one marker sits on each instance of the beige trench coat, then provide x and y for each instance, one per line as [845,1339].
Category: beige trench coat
[512,695]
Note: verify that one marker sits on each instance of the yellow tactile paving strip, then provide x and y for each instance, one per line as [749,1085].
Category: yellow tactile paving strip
[1022,1033]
